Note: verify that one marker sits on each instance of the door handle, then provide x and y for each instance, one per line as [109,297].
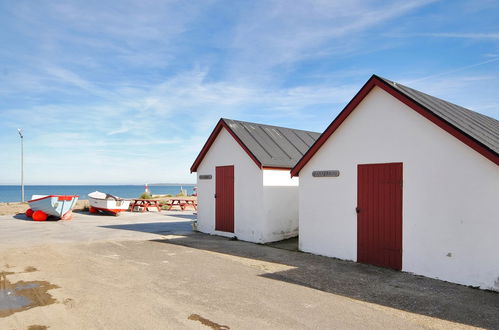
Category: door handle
[357,209]
[215,195]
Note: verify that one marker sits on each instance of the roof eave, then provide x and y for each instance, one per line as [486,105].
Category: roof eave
[214,134]
[440,122]
[422,110]
[278,168]
[366,88]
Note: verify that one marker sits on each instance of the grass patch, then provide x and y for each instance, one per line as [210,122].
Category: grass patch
[145,195]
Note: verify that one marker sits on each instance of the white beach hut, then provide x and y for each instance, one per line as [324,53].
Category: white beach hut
[244,184]
[407,181]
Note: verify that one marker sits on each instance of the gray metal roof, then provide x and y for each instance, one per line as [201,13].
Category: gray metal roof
[273,146]
[481,128]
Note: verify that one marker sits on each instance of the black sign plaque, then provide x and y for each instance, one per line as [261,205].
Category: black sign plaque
[205,177]
[325,174]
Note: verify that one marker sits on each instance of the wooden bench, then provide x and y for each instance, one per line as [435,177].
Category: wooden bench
[182,203]
[145,204]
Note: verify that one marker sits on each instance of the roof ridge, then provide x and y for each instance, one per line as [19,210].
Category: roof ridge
[272,146]
[253,123]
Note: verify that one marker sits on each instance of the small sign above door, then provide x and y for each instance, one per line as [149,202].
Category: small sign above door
[324,174]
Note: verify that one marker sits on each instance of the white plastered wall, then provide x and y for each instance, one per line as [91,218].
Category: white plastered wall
[280,196]
[450,194]
[248,190]
[265,202]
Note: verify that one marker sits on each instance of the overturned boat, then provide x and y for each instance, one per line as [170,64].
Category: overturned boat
[107,203]
[59,206]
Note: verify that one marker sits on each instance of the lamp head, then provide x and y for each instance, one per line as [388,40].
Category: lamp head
[20,131]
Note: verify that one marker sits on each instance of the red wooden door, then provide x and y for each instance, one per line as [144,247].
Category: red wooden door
[224,199]
[379,214]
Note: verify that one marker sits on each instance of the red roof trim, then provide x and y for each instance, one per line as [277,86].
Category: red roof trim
[449,128]
[60,198]
[375,81]
[333,126]
[221,124]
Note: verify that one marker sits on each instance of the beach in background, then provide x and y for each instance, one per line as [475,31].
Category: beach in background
[10,193]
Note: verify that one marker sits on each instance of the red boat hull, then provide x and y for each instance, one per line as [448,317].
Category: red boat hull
[94,209]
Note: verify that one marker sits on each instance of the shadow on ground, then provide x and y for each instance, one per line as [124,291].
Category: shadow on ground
[23,217]
[181,227]
[183,216]
[290,244]
[101,213]
[82,211]
[400,290]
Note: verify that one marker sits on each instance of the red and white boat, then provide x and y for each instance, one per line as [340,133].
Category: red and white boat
[59,206]
[107,203]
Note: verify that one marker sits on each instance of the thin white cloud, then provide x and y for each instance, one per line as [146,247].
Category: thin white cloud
[280,34]
[68,77]
[106,88]
[154,123]
[494,36]
[450,88]
[459,69]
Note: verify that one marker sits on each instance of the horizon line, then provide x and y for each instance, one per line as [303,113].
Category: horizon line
[104,184]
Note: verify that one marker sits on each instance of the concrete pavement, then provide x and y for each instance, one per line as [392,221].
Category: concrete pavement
[148,271]
[20,231]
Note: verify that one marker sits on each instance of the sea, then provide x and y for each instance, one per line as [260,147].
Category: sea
[13,193]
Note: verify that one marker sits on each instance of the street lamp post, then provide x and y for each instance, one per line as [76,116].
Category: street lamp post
[20,131]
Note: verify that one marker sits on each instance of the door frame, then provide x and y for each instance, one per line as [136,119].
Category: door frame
[395,209]
[221,223]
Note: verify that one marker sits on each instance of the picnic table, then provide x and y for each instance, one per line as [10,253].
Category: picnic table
[145,204]
[182,203]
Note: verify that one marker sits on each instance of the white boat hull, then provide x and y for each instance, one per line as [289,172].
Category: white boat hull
[107,203]
[53,205]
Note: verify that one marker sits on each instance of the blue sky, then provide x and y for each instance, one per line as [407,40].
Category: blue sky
[122,92]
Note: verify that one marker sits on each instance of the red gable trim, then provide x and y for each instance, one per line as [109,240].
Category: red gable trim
[221,124]
[332,127]
[446,126]
[375,81]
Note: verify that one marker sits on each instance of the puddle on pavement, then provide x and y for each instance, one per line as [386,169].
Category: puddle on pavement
[23,295]
[208,323]
[37,327]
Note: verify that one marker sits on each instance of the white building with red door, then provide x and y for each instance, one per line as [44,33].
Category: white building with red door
[244,185]
[405,180]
